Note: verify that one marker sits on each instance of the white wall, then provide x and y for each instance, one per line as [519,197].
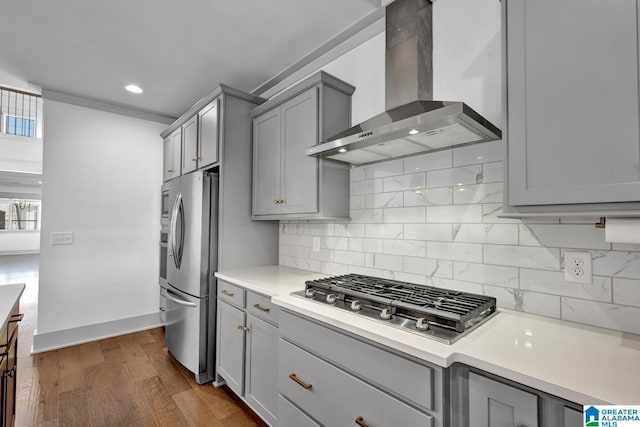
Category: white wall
[19,242]
[101,181]
[20,154]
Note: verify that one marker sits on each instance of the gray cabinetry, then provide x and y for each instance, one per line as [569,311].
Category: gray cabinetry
[247,343]
[287,184]
[494,404]
[172,151]
[571,112]
[331,378]
[190,145]
[231,324]
[208,134]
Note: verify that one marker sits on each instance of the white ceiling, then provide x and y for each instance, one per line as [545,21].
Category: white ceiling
[177,51]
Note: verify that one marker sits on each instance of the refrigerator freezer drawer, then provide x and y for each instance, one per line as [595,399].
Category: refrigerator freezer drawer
[187,329]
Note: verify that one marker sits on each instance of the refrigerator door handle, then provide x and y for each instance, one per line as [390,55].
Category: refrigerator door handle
[173,298]
[173,231]
[182,230]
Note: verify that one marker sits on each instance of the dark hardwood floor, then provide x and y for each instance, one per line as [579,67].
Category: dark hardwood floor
[130,380]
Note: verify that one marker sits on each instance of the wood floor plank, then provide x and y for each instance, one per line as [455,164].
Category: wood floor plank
[44,393]
[73,408]
[131,380]
[197,412]
[164,409]
[167,368]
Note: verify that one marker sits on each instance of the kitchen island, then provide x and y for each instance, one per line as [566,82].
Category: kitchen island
[577,363]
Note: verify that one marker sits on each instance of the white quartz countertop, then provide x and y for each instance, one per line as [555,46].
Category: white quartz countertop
[9,296]
[271,280]
[582,364]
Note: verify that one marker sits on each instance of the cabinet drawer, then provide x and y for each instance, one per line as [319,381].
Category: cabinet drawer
[289,415]
[335,398]
[231,293]
[262,307]
[389,371]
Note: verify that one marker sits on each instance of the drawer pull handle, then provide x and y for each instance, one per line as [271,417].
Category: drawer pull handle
[299,381]
[360,422]
[16,318]
[169,170]
[261,308]
[227,293]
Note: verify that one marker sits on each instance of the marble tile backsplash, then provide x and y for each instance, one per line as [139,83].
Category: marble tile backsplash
[433,219]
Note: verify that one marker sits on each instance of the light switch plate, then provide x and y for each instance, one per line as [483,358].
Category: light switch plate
[577,267]
[62,238]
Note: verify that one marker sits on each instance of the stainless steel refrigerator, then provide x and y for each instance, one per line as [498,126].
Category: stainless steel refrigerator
[192,261]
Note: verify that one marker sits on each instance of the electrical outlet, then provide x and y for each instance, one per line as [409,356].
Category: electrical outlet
[316,244]
[62,238]
[577,267]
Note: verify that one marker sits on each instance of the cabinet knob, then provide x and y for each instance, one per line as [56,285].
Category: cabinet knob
[239,327]
[300,382]
[246,329]
[195,159]
[360,422]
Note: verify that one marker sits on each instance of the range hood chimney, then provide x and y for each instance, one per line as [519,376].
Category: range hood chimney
[413,123]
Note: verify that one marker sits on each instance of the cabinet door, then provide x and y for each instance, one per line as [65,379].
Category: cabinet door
[231,322]
[167,158]
[4,413]
[572,86]
[208,135]
[266,163]
[494,404]
[190,145]
[261,374]
[300,172]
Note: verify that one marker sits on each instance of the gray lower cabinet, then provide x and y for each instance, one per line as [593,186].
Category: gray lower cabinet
[326,377]
[572,107]
[494,404]
[287,184]
[247,344]
[231,346]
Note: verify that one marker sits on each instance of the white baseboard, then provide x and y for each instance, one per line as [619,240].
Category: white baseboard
[67,337]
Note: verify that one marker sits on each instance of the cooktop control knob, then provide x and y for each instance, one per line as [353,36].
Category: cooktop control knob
[309,293]
[331,298]
[356,306]
[385,314]
[422,324]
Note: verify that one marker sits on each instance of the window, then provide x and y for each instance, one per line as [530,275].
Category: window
[20,126]
[19,215]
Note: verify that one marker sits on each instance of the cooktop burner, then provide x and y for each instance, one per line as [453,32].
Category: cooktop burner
[441,314]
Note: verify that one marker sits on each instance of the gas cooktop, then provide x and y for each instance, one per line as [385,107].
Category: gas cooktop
[440,314]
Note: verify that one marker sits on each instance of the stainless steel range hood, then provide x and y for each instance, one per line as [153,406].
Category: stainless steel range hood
[413,122]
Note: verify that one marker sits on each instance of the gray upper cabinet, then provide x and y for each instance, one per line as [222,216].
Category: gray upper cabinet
[172,149]
[286,183]
[494,404]
[208,134]
[190,145]
[571,111]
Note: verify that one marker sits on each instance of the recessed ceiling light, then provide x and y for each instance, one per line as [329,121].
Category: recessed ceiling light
[413,131]
[39,182]
[133,88]
[342,150]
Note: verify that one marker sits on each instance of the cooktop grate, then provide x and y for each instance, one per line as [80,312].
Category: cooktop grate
[417,305]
